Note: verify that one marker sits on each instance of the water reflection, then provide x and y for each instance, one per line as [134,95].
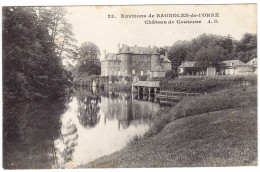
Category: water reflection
[88,108]
[65,134]
[29,131]
[105,122]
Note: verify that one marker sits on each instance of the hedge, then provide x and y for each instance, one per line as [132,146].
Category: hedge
[207,84]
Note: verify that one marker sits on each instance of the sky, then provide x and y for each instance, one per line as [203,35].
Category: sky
[91,24]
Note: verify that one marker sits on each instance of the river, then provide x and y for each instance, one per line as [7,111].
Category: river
[66,134]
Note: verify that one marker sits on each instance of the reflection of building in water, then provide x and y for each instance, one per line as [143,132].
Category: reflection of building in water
[126,111]
[88,108]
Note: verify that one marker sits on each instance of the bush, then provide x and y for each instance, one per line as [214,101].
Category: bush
[171,74]
[204,84]
[114,79]
[143,78]
[225,99]
[128,78]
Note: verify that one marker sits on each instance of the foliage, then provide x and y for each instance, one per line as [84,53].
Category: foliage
[114,79]
[178,53]
[209,50]
[163,50]
[88,61]
[31,67]
[246,48]
[171,74]
[225,99]
[143,78]
[60,31]
[128,78]
[201,85]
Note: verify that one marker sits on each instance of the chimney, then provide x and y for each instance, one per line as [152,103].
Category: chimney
[105,54]
[118,47]
[149,46]
[135,45]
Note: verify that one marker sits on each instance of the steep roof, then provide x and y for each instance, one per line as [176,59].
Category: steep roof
[111,56]
[124,49]
[233,62]
[138,50]
[164,59]
[188,64]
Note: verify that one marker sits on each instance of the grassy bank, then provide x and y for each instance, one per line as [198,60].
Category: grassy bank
[225,99]
[221,138]
[217,129]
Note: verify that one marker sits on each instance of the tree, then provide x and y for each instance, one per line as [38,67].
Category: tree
[207,50]
[211,56]
[60,31]
[246,48]
[88,60]
[31,67]
[88,51]
[177,53]
[163,50]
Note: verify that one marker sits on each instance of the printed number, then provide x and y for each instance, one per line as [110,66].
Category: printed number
[110,16]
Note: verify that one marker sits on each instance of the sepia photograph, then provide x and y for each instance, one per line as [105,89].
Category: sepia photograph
[129,86]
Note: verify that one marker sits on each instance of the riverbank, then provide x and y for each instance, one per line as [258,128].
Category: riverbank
[222,138]
[218,129]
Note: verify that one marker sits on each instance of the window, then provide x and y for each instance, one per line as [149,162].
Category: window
[142,73]
[126,71]
[133,72]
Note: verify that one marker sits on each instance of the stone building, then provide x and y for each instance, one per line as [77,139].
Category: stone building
[135,61]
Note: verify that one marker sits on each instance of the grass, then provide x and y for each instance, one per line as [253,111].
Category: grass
[225,99]
[217,129]
[221,138]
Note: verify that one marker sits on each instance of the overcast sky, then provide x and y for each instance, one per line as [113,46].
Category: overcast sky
[91,24]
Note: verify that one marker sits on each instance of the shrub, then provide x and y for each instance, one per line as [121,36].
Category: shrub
[204,84]
[114,79]
[143,78]
[128,78]
[171,74]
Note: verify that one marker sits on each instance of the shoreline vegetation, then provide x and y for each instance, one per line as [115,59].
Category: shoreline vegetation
[189,84]
[215,129]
